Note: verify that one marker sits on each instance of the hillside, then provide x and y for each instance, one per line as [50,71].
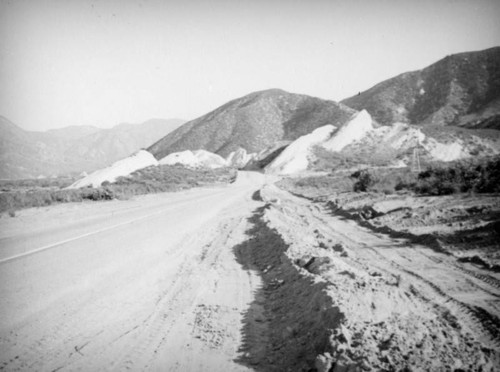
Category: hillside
[27,154]
[461,89]
[72,150]
[73,131]
[109,145]
[253,122]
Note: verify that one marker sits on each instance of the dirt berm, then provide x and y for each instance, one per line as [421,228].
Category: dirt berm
[339,297]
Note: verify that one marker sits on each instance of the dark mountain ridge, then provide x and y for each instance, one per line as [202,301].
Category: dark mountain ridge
[461,89]
[253,122]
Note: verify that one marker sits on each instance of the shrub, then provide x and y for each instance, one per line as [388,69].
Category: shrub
[390,180]
[437,181]
[364,180]
[482,177]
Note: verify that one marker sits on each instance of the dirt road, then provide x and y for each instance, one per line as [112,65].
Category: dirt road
[149,284]
[230,279]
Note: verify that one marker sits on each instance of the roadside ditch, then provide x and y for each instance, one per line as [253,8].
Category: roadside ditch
[292,319]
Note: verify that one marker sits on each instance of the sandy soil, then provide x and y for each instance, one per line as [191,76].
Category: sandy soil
[393,304]
[241,278]
[466,226]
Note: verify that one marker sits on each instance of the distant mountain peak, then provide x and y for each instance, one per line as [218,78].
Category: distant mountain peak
[71,150]
[253,122]
[461,89]
[268,93]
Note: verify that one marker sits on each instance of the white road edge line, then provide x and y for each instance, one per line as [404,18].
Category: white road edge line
[53,245]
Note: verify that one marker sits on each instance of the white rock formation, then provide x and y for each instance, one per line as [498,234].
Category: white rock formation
[297,155]
[353,130]
[123,167]
[186,158]
[195,159]
[210,160]
[240,158]
[398,136]
[445,151]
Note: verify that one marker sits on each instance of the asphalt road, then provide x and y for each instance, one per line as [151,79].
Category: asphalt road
[101,286]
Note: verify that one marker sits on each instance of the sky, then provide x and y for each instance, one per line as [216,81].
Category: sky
[101,63]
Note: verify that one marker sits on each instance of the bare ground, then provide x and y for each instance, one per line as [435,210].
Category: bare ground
[404,305]
[235,279]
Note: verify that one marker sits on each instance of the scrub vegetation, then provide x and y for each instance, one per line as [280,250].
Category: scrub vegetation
[164,178]
[460,177]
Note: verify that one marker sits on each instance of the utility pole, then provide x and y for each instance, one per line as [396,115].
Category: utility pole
[415,166]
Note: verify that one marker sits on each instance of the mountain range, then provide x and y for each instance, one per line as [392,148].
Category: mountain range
[253,122]
[73,149]
[461,90]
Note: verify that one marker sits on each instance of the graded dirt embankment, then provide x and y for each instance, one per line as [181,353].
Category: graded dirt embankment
[465,225]
[397,304]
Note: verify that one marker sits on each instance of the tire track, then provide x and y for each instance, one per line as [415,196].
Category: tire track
[479,317]
[177,304]
[488,323]
[482,277]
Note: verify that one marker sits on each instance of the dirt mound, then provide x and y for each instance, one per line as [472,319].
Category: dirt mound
[358,141]
[124,167]
[195,159]
[298,154]
[290,320]
[240,158]
[357,128]
[395,146]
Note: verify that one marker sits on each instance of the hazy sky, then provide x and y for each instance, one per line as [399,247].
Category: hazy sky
[100,63]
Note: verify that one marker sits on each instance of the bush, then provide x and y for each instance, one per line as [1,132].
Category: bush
[364,180]
[317,185]
[390,180]
[480,176]
[401,185]
[437,181]
[361,156]
[460,177]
